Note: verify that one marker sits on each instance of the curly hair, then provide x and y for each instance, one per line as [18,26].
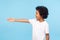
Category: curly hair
[43,11]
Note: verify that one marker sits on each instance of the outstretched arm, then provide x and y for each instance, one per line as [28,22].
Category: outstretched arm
[18,20]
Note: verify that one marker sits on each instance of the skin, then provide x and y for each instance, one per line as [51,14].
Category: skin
[38,17]
[47,36]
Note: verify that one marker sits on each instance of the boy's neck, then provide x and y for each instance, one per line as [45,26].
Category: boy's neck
[41,20]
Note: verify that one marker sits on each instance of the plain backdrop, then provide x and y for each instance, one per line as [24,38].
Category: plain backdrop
[26,9]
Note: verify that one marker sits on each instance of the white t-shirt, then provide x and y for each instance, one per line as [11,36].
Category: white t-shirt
[39,29]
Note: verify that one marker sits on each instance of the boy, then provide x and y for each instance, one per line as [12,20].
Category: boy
[40,26]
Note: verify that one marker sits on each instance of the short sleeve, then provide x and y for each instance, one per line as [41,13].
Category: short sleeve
[31,21]
[47,29]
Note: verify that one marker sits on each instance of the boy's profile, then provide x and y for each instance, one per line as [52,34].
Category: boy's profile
[40,27]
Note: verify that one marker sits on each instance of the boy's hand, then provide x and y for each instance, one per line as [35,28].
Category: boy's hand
[11,19]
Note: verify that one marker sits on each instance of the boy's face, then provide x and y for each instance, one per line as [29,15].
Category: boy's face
[38,15]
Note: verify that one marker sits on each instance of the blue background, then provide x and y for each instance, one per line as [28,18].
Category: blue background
[26,9]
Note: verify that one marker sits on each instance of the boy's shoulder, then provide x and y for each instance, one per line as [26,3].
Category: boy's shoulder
[46,23]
